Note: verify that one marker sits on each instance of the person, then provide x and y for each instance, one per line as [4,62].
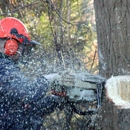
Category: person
[23,102]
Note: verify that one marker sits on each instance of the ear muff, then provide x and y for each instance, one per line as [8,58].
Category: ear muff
[11,47]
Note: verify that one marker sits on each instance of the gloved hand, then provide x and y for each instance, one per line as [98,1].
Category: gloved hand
[61,101]
[58,93]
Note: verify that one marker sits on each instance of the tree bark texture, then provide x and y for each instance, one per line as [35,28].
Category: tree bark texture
[112,118]
[113,32]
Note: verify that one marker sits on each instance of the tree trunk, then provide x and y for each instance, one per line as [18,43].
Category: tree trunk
[112,118]
[115,111]
[112,21]
[113,32]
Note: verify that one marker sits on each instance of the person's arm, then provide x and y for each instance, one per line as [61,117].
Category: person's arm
[31,93]
[32,90]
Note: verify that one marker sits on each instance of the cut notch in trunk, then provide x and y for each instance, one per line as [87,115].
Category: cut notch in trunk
[118,91]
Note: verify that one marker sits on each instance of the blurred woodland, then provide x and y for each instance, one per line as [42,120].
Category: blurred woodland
[66,29]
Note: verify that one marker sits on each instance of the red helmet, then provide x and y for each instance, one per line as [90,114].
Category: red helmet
[6,24]
[14,31]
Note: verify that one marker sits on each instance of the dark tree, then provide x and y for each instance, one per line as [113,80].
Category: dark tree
[112,19]
[113,31]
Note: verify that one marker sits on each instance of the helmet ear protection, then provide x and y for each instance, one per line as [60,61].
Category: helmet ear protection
[12,44]
[11,47]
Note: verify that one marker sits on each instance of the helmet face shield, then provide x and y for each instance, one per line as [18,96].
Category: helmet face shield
[24,51]
[30,47]
[27,49]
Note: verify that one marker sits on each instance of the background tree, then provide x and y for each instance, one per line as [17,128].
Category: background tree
[112,22]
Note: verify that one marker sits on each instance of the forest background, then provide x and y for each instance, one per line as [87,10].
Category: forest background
[66,29]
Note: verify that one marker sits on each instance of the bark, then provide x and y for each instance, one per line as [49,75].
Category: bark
[113,32]
[112,118]
[115,111]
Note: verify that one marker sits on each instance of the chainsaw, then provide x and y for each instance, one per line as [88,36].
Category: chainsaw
[79,87]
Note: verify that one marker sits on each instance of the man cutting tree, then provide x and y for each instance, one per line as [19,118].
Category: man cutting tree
[22,102]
